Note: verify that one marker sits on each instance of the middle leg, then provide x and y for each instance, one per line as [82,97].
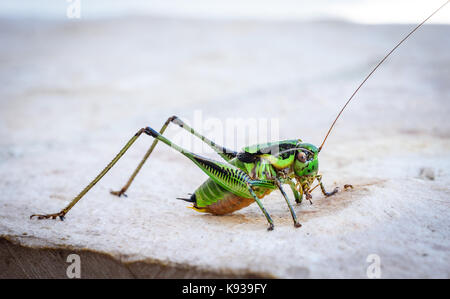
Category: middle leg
[294,216]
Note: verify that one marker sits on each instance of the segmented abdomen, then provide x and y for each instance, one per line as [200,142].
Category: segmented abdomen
[210,197]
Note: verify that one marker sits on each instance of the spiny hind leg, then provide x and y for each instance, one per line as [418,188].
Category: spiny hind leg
[225,153]
[138,168]
[228,176]
[322,187]
[64,211]
[234,180]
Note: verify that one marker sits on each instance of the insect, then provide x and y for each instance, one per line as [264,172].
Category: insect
[244,177]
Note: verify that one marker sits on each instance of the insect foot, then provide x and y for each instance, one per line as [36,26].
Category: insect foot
[271,226]
[53,216]
[119,193]
[296,224]
[336,190]
[348,186]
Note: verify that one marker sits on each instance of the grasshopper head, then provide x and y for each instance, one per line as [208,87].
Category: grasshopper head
[306,160]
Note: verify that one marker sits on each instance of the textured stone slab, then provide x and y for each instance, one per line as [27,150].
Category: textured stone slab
[74,92]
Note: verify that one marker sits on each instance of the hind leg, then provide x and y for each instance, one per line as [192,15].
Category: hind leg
[225,153]
[64,211]
[226,175]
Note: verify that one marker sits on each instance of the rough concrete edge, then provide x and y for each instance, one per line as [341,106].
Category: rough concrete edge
[25,257]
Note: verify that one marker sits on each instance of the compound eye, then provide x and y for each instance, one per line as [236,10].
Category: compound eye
[301,156]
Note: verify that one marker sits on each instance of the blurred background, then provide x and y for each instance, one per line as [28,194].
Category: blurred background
[361,11]
[191,56]
[78,78]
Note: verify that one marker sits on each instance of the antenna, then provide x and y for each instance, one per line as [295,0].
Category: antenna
[375,68]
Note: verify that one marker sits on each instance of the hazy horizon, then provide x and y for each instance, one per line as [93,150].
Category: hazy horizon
[362,11]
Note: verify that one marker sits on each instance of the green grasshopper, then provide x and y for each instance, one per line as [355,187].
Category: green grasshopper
[245,177]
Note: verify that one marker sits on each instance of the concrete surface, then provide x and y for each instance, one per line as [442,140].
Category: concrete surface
[74,92]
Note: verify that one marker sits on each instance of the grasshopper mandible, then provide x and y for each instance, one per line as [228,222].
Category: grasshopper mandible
[245,177]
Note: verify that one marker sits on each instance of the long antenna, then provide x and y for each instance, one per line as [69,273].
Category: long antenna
[375,68]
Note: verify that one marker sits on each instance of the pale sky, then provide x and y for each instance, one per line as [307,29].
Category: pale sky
[362,11]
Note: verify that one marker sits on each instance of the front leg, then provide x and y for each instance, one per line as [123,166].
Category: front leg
[319,179]
[298,194]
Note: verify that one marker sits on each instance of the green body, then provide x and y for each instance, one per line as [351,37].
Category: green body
[245,177]
[240,180]
[263,162]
